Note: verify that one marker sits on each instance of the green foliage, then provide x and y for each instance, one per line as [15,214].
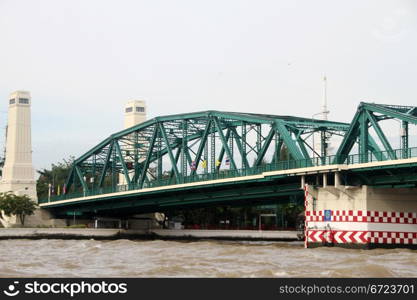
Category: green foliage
[20,206]
[57,175]
[284,153]
[291,212]
[263,162]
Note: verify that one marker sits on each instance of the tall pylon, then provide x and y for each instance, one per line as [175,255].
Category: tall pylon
[18,175]
[135,113]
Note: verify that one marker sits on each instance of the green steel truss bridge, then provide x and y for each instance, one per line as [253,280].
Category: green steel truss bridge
[228,158]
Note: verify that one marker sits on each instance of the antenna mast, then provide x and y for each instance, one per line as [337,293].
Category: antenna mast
[325,112]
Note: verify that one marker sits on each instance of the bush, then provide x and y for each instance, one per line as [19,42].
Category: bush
[20,206]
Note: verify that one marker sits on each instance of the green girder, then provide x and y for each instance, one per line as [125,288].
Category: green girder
[152,150]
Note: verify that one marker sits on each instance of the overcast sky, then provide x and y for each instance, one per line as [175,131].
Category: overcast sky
[82,60]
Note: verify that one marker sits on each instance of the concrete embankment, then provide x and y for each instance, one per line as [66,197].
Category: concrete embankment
[87,233]
[226,234]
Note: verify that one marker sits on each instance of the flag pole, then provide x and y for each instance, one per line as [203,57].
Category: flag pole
[49,192]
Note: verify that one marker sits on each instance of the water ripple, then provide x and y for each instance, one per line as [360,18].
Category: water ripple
[130,258]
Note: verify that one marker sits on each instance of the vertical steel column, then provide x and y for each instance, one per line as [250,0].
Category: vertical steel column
[323,147]
[113,169]
[206,151]
[404,138]
[213,149]
[184,148]
[243,142]
[94,171]
[159,149]
[258,138]
[278,145]
[231,145]
[363,138]
[136,158]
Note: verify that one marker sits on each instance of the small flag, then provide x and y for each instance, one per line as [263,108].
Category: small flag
[218,163]
[227,161]
[204,164]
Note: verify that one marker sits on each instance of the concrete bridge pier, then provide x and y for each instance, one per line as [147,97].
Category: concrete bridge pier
[361,216]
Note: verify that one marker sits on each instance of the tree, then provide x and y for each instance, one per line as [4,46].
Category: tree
[57,175]
[284,154]
[291,212]
[20,206]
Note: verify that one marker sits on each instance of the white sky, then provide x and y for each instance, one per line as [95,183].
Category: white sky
[82,60]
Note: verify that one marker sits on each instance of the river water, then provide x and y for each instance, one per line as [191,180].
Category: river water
[156,258]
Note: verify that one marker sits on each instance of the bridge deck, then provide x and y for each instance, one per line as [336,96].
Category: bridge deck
[242,179]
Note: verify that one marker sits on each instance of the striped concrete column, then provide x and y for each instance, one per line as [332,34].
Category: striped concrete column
[364,218]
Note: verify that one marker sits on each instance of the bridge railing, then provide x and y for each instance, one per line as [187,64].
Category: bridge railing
[224,174]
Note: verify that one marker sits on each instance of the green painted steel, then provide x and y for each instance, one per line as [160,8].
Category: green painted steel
[122,161]
[225,144]
[210,145]
[359,129]
[380,134]
[283,165]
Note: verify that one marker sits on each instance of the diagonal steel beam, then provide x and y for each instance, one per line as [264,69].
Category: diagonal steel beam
[70,179]
[201,146]
[224,142]
[171,156]
[412,111]
[188,156]
[289,142]
[381,135]
[122,161]
[221,154]
[301,144]
[240,148]
[373,146]
[106,165]
[277,151]
[349,139]
[177,157]
[390,112]
[148,156]
[265,147]
[81,178]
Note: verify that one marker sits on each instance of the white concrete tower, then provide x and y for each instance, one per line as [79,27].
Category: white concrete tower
[135,113]
[18,174]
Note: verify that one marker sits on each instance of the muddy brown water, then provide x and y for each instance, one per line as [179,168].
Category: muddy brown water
[157,258]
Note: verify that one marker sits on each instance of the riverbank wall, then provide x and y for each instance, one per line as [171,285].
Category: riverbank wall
[168,234]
